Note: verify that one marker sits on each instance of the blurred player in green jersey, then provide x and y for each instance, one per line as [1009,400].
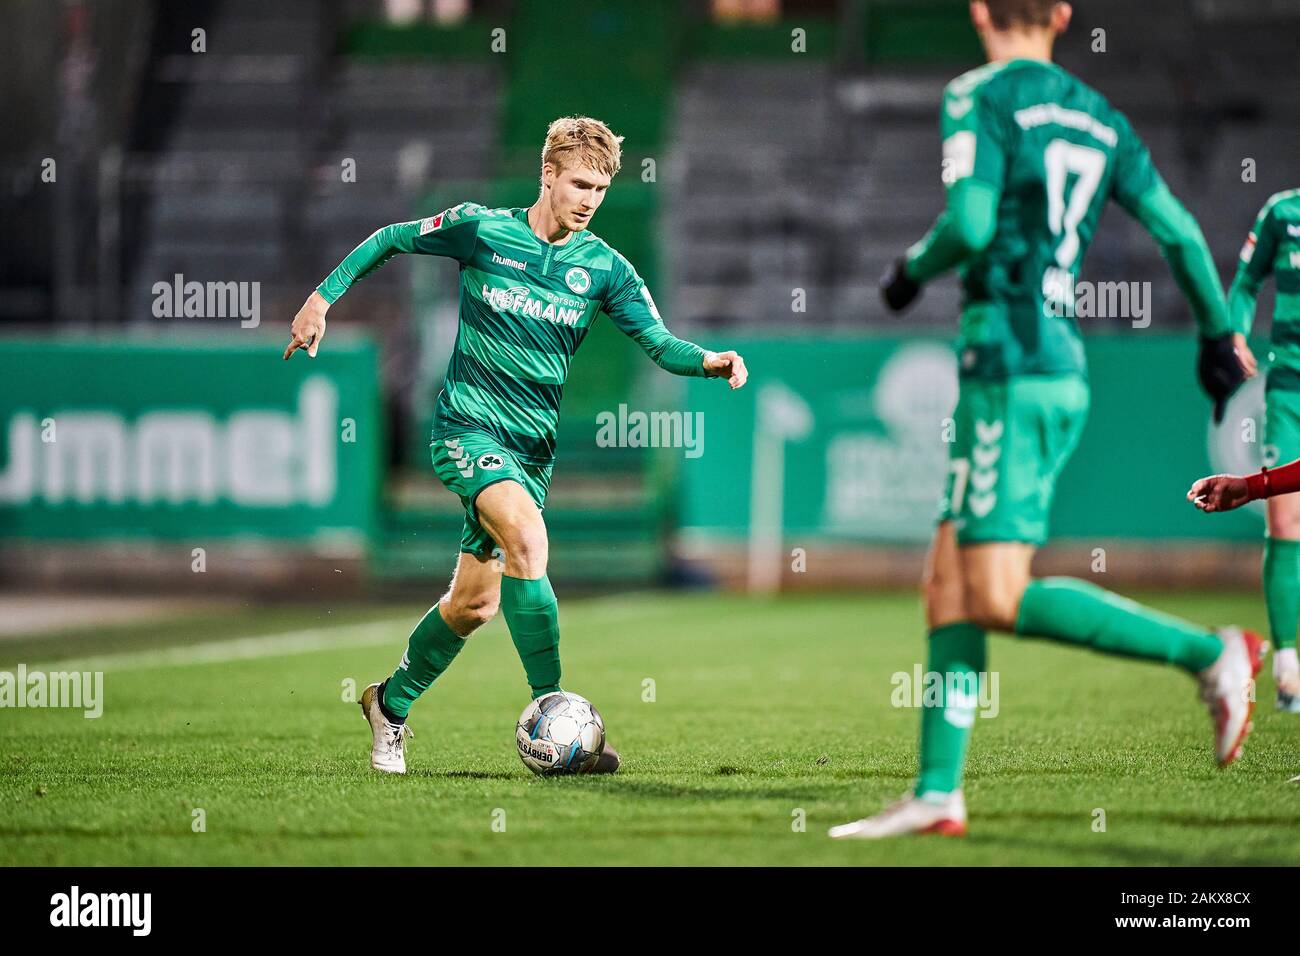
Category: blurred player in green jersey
[1030,157]
[532,281]
[1273,246]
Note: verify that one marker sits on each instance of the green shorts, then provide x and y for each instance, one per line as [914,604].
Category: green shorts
[1010,440]
[1281,427]
[471,461]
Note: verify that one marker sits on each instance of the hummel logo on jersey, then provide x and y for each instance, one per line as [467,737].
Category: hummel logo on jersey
[983,480]
[512,263]
[957,108]
[517,300]
[983,476]
[1293,229]
[987,434]
[464,463]
[985,457]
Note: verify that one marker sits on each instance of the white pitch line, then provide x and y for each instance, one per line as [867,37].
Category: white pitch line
[392,631]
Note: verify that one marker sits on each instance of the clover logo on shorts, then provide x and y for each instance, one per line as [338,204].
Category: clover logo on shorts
[578,280]
[490,462]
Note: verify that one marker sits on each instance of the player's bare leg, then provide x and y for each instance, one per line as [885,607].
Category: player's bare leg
[936,804]
[474,596]
[943,590]
[995,576]
[1281,572]
[509,514]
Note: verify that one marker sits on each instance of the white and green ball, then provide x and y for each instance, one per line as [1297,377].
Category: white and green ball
[560,733]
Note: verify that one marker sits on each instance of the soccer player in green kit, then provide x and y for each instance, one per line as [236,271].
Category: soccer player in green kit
[1273,246]
[531,283]
[1031,155]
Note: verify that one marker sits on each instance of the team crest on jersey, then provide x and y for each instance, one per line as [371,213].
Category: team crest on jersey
[578,280]
[490,461]
[1293,229]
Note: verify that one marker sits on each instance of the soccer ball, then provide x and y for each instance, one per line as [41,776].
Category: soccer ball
[560,733]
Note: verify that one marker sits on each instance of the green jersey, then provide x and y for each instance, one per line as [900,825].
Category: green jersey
[525,307]
[1031,154]
[1273,246]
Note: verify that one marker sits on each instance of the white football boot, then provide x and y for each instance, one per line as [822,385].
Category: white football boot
[1228,689]
[1286,676]
[388,748]
[933,812]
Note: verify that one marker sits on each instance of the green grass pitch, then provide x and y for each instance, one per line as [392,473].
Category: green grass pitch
[764,713]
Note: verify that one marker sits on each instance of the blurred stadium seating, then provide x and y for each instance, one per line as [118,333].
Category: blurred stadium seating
[751,170]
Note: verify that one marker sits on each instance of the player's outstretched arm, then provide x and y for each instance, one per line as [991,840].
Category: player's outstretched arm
[1226,492]
[1253,267]
[450,233]
[963,230]
[631,307]
[1225,360]
[681,357]
[1183,245]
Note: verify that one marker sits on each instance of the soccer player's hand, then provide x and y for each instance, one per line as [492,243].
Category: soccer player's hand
[1221,370]
[308,326]
[897,289]
[1219,493]
[1245,357]
[726,365]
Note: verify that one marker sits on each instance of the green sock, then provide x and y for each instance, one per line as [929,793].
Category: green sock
[1076,612]
[533,617]
[957,651]
[1282,589]
[432,646]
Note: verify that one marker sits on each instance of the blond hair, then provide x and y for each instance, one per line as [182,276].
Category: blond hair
[581,140]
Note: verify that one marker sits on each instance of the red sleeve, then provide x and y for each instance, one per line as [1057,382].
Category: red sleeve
[1270,483]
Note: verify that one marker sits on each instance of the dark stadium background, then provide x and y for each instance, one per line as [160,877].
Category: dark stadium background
[770,147]
[231,547]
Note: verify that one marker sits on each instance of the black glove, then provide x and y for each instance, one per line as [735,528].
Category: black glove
[896,288]
[1219,371]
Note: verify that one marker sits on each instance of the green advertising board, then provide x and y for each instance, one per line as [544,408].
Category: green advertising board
[165,439]
[843,438]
